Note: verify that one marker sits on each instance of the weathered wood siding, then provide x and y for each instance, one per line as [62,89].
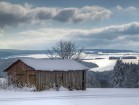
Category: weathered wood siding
[20,74]
[67,79]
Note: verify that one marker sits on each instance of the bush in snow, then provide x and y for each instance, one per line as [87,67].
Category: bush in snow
[23,88]
[3,83]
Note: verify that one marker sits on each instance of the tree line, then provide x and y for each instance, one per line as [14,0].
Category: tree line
[125,75]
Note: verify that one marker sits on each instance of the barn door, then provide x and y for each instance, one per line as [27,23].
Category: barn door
[59,79]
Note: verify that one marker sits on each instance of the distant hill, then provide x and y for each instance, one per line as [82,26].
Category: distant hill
[89,51]
[4,53]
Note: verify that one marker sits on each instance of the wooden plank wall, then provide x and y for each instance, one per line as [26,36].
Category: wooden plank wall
[67,79]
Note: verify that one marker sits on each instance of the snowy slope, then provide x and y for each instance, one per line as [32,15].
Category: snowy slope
[89,97]
[105,64]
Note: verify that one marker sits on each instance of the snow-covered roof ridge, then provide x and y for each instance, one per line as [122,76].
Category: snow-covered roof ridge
[53,65]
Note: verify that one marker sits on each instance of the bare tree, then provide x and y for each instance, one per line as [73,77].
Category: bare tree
[65,50]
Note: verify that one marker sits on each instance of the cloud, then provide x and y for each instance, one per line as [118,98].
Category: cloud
[125,36]
[122,36]
[76,15]
[112,32]
[116,36]
[127,10]
[23,43]
[1,32]
[94,13]
[37,39]
[15,14]
[51,33]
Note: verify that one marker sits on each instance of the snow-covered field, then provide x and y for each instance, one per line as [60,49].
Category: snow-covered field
[105,64]
[89,97]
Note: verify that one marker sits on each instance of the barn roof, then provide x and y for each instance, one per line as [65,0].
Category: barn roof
[53,65]
[58,64]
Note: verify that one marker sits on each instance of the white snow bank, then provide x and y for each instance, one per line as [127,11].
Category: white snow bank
[60,89]
[104,64]
[3,83]
[88,97]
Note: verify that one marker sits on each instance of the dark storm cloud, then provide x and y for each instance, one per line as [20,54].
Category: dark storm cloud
[132,29]
[65,15]
[14,14]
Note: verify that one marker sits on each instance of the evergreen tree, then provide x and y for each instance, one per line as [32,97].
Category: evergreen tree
[131,76]
[118,74]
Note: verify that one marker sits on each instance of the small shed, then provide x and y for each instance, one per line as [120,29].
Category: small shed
[46,74]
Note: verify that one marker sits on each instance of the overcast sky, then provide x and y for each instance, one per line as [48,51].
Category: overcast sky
[39,24]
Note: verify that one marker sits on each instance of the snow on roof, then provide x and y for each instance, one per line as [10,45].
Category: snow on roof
[58,64]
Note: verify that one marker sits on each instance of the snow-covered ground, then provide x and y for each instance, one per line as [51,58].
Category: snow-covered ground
[89,97]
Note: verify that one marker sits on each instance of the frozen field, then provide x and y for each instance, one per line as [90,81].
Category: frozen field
[88,97]
[105,64]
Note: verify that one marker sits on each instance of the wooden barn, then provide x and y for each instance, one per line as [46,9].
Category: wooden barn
[46,74]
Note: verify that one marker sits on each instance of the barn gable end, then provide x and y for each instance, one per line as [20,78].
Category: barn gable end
[19,64]
[19,72]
